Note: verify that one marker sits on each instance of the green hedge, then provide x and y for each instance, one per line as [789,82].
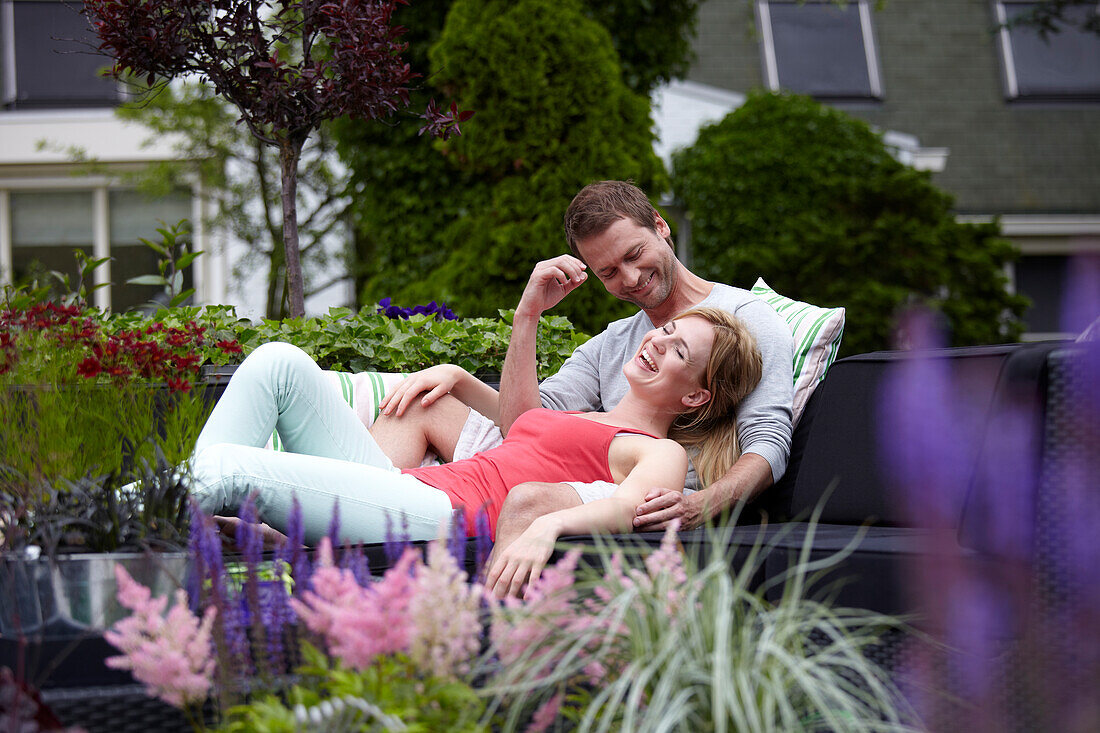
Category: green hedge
[811,199]
[465,221]
[346,341]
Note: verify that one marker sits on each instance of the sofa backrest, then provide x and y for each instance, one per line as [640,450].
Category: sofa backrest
[839,442]
[1023,447]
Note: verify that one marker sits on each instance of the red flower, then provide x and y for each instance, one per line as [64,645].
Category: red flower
[178,337]
[179,385]
[230,347]
[118,370]
[89,368]
[186,361]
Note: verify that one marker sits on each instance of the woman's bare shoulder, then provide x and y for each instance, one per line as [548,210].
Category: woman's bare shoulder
[638,445]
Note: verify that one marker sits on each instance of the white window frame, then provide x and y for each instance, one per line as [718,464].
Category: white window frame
[1008,58]
[7,48]
[870,48]
[100,188]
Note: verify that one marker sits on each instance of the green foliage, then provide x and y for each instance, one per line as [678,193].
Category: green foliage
[345,341]
[173,260]
[86,410]
[680,646]
[389,695]
[653,39]
[466,220]
[810,198]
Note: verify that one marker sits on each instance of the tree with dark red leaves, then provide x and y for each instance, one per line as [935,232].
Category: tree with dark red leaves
[286,66]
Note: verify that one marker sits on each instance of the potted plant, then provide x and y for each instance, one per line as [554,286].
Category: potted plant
[95,421]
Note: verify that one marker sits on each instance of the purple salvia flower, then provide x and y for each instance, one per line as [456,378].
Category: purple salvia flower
[396,540]
[918,404]
[196,568]
[456,540]
[250,542]
[295,555]
[354,560]
[484,544]
[334,525]
[276,616]
[229,635]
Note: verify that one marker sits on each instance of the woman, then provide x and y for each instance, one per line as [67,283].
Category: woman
[684,382]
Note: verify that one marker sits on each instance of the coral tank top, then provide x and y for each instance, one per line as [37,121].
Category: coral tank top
[543,445]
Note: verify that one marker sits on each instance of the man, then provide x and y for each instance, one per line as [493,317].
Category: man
[615,233]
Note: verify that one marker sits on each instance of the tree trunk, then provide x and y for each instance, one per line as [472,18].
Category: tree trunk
[289,152]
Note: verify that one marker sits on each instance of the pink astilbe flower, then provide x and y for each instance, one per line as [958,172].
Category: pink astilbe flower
[521,625]
[443,611]
[667,575]
[545,716]
[358,623]
[528,633]
[171,655]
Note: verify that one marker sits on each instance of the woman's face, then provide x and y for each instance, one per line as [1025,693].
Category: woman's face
[672,359]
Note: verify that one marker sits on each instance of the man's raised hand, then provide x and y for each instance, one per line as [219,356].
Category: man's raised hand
[550,282]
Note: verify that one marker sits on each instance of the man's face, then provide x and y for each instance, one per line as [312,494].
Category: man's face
[634,263]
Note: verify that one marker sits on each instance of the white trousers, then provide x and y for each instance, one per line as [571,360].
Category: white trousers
[331,457]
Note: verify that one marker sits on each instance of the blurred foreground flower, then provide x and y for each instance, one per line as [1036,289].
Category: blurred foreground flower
[171,655]
[1019,610]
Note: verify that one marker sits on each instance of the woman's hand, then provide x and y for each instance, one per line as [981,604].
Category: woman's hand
[433,382]
[550,282]
[521,563]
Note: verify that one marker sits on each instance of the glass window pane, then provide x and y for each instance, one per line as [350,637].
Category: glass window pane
[1064,64]
[56,61]
[51,218]
[46,227]
[1042,278]
[134,217]
[819,49]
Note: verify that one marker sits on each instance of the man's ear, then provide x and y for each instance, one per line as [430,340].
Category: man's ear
[696,399]
[662,226]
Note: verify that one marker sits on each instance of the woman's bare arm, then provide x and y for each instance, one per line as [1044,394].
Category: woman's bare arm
[436,381]
[654,463]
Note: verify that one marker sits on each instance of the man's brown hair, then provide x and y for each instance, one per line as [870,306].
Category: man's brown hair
[601,204]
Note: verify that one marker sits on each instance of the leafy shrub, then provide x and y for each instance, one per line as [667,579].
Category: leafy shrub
[87,408]
[810,198]
[345,341]
[410,195]
[467,222]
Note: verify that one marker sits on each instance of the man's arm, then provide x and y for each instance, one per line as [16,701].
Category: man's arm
[550,282]
[576,385]
[750,475]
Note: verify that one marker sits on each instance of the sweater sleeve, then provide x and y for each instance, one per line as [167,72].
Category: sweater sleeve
[576,386]
[764,416]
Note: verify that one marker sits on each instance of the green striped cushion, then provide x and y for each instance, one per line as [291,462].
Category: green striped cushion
[817,333]
[362,391]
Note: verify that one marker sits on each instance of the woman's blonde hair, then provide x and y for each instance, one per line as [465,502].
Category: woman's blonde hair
[733,370]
